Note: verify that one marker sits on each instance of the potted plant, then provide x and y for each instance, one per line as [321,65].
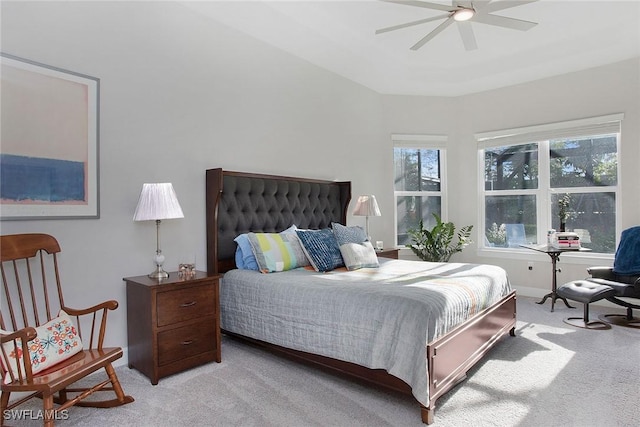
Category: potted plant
[437,244]
[563,210]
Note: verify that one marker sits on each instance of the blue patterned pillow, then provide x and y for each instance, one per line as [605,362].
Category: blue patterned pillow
[277,251]
[321,248]
[344,234]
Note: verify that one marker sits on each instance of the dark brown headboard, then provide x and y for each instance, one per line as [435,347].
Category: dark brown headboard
[239,202]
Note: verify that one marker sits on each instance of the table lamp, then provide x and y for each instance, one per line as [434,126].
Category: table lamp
[367,206]
[158,202]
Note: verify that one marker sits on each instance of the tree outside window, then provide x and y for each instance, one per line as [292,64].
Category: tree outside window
[524,180]
[418,189]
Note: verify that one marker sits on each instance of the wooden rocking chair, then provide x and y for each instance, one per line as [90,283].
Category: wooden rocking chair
[30,298]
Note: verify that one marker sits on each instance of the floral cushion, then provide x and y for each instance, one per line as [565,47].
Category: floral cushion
[55,342]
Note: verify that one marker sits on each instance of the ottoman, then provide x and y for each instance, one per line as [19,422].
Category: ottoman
[586,292]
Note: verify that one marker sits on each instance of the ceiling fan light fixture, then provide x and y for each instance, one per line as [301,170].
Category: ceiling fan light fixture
[463,14]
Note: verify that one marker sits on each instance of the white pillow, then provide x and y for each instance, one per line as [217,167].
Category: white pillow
[55,342]
[359,255]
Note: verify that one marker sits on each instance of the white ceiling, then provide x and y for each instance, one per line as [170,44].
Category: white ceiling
[339,35]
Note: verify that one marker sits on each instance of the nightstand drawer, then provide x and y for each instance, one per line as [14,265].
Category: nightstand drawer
[185,342]
[185,304]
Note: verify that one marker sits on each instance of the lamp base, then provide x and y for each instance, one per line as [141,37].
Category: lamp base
[158,274]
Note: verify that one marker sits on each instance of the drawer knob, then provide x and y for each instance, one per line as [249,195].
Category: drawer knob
[188,304]
[188,342]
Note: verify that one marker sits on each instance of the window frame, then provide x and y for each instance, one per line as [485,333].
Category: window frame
[542,135]
[421,141]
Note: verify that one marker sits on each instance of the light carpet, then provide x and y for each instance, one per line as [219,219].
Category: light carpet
[550,374]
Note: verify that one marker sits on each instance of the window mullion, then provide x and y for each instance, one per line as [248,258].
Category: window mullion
[543,197]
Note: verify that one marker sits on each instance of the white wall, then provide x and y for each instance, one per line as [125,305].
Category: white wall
[181,94]
[595,92]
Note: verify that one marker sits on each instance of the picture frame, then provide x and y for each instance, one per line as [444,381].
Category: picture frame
[49,152]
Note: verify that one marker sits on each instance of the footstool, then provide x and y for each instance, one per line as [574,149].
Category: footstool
[586,292]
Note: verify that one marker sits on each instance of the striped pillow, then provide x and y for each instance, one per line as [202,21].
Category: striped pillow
[277,251]
[321,248]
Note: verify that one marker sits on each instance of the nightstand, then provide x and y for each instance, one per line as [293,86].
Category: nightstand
[172,324]
[387,253]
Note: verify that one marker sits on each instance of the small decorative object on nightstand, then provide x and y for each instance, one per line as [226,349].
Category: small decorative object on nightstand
[172,324]
[387,253]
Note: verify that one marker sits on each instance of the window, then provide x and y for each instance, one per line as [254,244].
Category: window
[418,184]
[528,172]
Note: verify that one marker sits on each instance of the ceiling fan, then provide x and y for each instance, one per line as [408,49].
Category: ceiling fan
[463,13]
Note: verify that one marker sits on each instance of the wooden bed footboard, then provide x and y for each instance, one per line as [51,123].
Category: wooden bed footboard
[452,355]
[449,357]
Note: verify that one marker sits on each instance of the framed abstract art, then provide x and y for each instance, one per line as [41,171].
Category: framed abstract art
[49,142]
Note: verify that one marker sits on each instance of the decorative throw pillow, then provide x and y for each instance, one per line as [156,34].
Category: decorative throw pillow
[357,252]
[359,255]
[292,229]
[321,248]
[55,342]
[344,234]
[277,251]
[245,260]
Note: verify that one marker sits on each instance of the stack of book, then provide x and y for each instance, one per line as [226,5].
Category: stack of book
[566,240]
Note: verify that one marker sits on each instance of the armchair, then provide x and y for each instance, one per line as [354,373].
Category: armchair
[623,278]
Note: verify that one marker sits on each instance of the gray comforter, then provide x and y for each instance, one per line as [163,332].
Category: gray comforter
[380,318]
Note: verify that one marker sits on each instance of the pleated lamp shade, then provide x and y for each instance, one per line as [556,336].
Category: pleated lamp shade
[367,206]
[157,201]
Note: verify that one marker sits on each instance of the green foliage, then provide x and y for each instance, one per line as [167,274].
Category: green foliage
[497,234]
[563,207]
[437,244]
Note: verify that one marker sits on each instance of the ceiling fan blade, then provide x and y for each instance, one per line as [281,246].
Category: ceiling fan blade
[468,37]
[423,4]
[505,4]
[432,34]
[503,21]
[481,4]
[410,24]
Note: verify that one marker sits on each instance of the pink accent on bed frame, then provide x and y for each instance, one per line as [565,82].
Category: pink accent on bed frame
[449,357]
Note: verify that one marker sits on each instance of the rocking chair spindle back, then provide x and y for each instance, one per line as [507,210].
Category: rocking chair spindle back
[31,298]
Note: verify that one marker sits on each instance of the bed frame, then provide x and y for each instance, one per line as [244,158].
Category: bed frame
[238,202]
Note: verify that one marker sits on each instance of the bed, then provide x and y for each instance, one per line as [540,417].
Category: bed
[410,326]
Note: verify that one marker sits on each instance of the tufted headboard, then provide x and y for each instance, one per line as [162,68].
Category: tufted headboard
[239,202]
